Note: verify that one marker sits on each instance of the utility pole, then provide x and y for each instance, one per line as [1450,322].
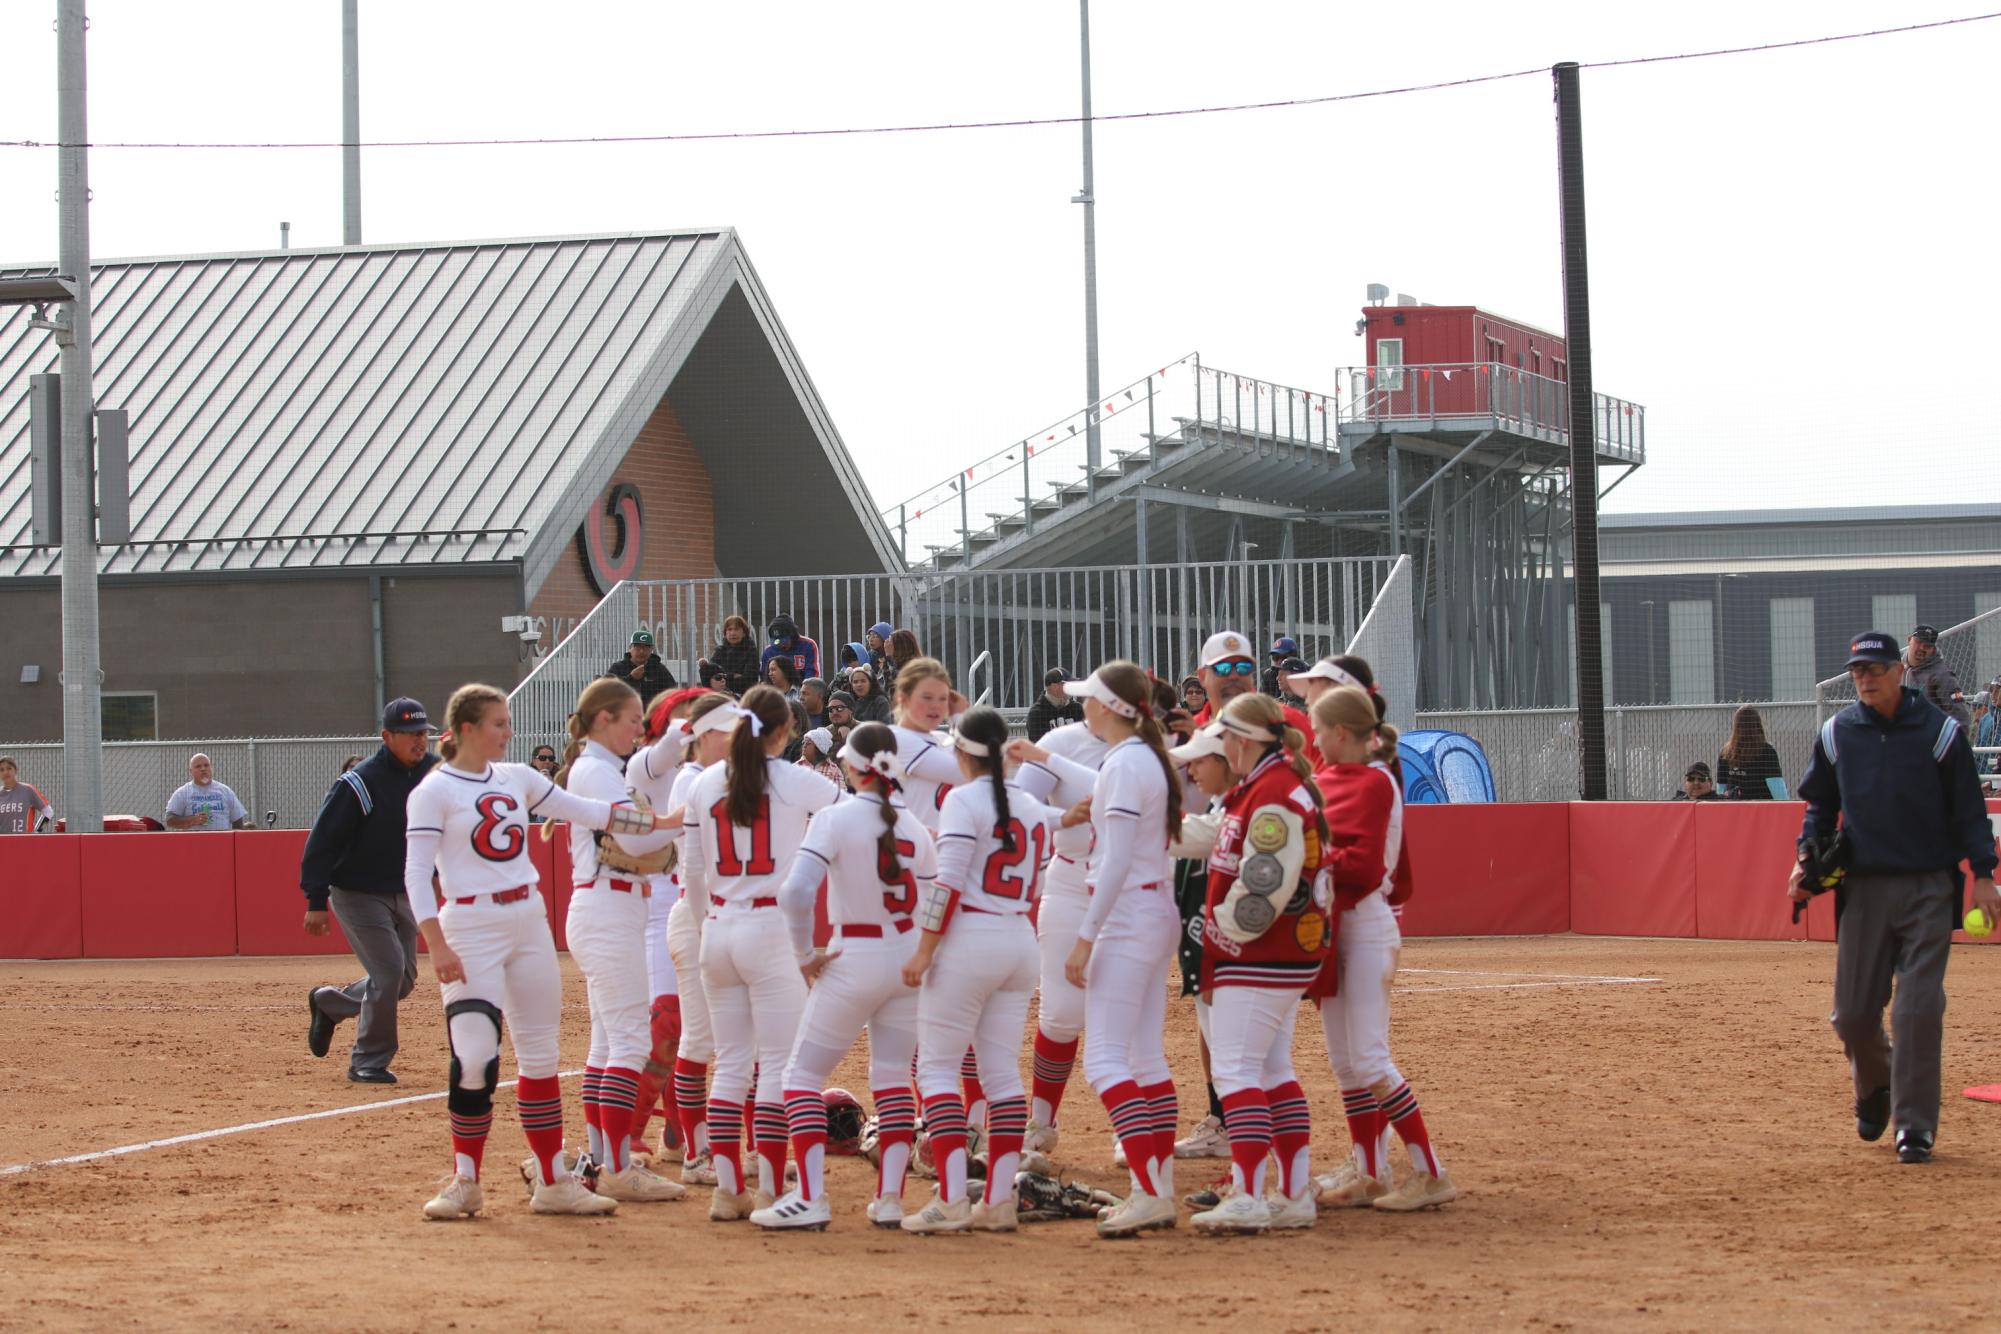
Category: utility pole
[350,123]
[1583,441]
[1092,451]
[83,723]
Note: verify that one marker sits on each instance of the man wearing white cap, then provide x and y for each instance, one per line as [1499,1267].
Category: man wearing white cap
[1229,668]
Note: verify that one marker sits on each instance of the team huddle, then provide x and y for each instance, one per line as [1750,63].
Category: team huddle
[962,875]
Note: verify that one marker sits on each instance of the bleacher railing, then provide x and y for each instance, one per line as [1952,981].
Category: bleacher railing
[1522,401]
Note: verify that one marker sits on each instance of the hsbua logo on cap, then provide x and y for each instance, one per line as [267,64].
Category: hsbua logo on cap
[606,565]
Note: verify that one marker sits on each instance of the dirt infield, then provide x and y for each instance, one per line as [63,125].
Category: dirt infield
[1671,1154]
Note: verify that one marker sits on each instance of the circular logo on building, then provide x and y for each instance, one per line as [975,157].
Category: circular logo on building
[605,563]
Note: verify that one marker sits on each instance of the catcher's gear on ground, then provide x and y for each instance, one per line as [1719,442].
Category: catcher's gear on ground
[1044,1199]
[845,1121]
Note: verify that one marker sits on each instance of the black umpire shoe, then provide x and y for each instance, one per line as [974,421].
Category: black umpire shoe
[1914,1146]
[356,1075]
[319,1034]
[1872,1115]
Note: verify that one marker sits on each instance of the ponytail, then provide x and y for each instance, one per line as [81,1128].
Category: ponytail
[985,727]
[865,743]
[747,776]
[607,694]
[468,705]
[1385,750]
[1130,682]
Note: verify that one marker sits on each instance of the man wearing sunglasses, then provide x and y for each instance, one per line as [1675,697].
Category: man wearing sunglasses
[1228,670]
[1898,773]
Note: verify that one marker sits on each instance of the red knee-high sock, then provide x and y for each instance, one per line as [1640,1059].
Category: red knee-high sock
[1291,1134]
[1365,1129]
[1400,1106]
[1132,1122]
[1166,1109]
[1007,1124]
[1053,1062]
[895,1136]
[726,1143]
[769,1131]
[665,1021]
[1247,1121]
[593,1118]
[469,1131]
[945,1122]
[806,1118]
[691,1104]
[969,1088]
[618,1095]
[541,1104]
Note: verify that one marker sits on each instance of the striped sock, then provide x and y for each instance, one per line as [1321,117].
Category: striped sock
[691,1104]
[726,1144]
[1247,1119]
[1132,1122]
[945,1122]
[1007,1124]
[768,1131]
[469,1142]
[1053,1063]
[969,1088]
[895,1133]
[1400,1106]
[1365,1126]
[541,1104]
[806,1118]
[618,1097]
[1291,1135]
[1166,1110]
[593,1118]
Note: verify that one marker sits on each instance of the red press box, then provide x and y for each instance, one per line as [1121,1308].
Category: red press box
[158,896]
[41,904]
[270,908]
[1488,870]
[1632,868]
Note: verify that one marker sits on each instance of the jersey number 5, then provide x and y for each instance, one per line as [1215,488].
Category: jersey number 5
[899,895]
[1007,877]
[494,808]
[760,862]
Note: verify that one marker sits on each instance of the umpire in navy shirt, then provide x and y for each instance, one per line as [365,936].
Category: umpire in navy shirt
[1899,775]
[354,856]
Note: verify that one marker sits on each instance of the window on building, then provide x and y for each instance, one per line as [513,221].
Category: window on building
[1691,652]
[1793,672]
[130,715]
[1894,614]
[1497,353]
[1389,363]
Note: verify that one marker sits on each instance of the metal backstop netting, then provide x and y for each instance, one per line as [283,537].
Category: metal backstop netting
[1388,640]
[281,780]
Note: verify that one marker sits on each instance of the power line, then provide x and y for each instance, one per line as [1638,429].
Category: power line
[1027,122]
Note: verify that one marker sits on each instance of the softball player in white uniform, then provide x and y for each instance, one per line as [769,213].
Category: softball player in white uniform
[490,943]
[606,928]
[878,862]
[744,824]
[1127,938]
[977,962]
[1065,898]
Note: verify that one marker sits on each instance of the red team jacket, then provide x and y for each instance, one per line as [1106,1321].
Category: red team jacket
[1290,953]
[1358,800]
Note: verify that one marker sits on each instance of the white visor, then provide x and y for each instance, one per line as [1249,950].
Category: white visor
[1249,731]
[1208,741]
[1324,670]
[1094,687]
[977,749]
[723,719]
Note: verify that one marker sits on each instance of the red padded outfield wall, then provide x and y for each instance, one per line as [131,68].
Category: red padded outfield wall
[1712,870]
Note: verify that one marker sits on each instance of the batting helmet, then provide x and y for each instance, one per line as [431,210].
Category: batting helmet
[844,1123]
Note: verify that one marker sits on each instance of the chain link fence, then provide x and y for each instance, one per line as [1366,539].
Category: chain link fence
[280,780]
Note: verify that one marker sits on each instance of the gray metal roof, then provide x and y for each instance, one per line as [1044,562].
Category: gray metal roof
[386,405]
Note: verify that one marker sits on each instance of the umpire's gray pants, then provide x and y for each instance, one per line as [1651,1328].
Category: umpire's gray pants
[1895,928]
[383,934]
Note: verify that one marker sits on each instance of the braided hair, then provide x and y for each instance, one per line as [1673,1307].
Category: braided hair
[984,726]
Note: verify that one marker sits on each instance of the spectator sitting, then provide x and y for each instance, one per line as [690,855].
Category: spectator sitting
[202,803]
[1697,785]
[782,676]
[813,694]
[854,654]
[797,742]
[737,656]
[350,762]
[1748,760]
[1290,667]
[1193,697]
[840,709]
[1285,646]
[713,677]
[901,647]
[1927,672]
[816,752]
[866,699]
[641,670]
[876,641]
[1053,707]
[1987,726]
[788,643]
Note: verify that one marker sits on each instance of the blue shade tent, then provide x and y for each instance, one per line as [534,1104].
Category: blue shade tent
[1440,767]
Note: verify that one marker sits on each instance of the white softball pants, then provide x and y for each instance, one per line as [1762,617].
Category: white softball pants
[1064,902]
[607,933]
[1125,990]
[1356,1022]
[660,977]
[510,961]
[1250,1037]
[861,988]
[684,943]
[977,995]
[756,995]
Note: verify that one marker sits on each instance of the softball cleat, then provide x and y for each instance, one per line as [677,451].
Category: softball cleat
[794,1213]
[457,1197]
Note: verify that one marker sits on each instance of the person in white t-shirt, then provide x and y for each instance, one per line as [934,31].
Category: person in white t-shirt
[744,823]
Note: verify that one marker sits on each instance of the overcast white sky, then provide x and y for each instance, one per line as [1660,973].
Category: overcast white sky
[1792,252]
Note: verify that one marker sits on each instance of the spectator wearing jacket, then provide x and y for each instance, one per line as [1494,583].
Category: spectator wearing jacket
[788,643]
[813,694]
[876,641]
[1747,763]
[899,648]
[641,670]
[1270,682]
[782,676]
[867,698]
[737,655]
[1897,775]
[1987,725]
[1697,784]
[853,654]
[1927,672]
[354,863]
[1053,707]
